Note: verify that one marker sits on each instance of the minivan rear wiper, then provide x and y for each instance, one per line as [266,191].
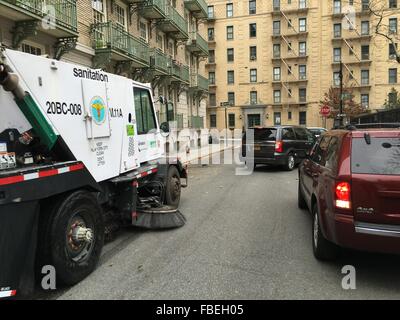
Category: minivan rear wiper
[367,138]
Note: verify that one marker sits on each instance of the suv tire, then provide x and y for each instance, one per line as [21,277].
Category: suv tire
[290,162]
[322,248]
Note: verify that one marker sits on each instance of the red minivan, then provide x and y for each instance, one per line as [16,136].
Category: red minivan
[350,182]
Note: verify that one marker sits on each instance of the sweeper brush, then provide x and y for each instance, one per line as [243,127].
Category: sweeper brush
[164,217]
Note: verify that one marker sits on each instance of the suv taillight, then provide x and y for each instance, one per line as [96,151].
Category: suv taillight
[279,146]
[342,195]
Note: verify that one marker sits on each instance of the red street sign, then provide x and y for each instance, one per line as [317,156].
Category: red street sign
[325,111]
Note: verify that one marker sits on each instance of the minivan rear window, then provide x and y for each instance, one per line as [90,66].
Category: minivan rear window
[265,134]
[381,156]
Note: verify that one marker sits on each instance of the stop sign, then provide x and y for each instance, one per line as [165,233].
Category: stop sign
[325,111]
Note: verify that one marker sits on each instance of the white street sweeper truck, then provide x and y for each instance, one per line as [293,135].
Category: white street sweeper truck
[81,153]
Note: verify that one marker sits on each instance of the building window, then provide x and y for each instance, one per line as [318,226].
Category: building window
[231,98]
[143,30]
[302,72]
[211,56]
[289,115]
[277,74]
[365,52]
[211,78]
[27,48]
[392,3]
[393,25]
[337,54]
[253,97]
[365,77]
[365,100]
[277,5]
[229,10]
[213,99]
[302,4]
[229,33]
[277,50]
[252,7]
[336,79]
[210,12]
[302,48]
[365,28]
[99,10]
[337,30]
[392,97]
[253,75]
[393,75]
[277,96]
[253,30]
[231,120]
[302,25]
[213,120]
[253,53]
[337,6]
[253,120]
[231,77]
[365,5]
[160,41]
[277,118]
[302,118]
[120,14]
[230,53]
[392,51]
[211,34]
[302,95]
[276,25]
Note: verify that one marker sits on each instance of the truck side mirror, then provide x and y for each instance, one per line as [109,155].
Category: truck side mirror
[165,127]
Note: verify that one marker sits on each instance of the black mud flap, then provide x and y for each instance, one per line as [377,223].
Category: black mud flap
[18,234]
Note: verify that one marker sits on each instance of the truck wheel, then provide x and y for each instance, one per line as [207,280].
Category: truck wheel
[173,187]
[72,237]
[322,248]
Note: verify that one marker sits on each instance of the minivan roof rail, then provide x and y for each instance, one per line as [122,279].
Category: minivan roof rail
[393,125]
[355,126]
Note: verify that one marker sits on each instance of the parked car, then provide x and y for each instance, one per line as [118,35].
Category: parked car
[351,184]
[317,131]
[277,145]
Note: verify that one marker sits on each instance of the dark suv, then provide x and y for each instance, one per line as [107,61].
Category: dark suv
[278,145]
[351,184]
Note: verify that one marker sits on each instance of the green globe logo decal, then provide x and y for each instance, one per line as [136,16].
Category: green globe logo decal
[98,108]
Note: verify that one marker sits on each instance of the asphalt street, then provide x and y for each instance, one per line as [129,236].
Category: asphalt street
[245,238]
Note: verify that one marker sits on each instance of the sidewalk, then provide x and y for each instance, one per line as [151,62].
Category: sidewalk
[202,155]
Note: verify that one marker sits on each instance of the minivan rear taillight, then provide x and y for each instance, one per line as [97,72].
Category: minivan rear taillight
[279,146]
[342,195]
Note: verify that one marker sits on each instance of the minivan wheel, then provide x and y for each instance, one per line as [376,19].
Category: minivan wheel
[290,162]
[322,248]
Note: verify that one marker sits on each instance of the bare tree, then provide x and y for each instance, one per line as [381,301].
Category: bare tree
[380,10]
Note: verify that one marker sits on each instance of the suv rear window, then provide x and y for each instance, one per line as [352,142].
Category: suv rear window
[382,156]
[265,134]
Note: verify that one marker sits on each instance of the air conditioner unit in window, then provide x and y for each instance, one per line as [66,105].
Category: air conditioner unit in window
[252,58]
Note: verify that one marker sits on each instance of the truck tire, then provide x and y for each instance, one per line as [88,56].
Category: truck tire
[72,237]
[323,249]
[173,187]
